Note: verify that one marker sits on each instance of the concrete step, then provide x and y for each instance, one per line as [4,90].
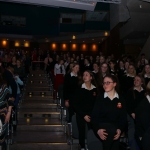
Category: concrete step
[38,121]
[41,146]
[48,128]
[42,97]
[37,88]
[39,137]
[34,114]
[38,105]
[38,93]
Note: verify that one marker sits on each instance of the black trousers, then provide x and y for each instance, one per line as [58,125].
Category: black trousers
[109,143]
[71,113]
[81,123]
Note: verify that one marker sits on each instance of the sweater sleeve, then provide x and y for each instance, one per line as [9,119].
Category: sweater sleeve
[123,115]
[95,115]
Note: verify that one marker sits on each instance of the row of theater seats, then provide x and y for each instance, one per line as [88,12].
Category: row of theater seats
[8,129]
[92,142]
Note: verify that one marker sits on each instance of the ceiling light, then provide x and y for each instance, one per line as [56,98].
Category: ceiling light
[73,37]
[93,39]
[24,40]
[83,41]
[140,6]
[70,41]
[7,39]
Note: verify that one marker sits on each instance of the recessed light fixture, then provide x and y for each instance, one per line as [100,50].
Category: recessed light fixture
[93,39]
[24,40]
[140,6]
[83,41]
[7,39]
[70,41]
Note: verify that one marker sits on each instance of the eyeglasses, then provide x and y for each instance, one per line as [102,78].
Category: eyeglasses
[106,83]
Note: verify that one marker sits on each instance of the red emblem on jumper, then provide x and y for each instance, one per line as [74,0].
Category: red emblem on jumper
[94,94]
[119,105]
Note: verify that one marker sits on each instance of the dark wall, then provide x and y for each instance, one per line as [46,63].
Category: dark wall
[39,20]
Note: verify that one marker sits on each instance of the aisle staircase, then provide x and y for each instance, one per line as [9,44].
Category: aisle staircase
[39,126]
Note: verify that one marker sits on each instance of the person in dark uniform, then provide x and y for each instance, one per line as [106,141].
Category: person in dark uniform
[70,85]
[128,79]
[133,97]
[112,67]
[84,99]
[121,69]
[87,65]
[146,73]
[142,121]
[95,70]
[109,114]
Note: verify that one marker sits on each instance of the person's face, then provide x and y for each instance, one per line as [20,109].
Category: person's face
[147,69]
[137,82]
[95,67]
[112,65]
[86,62]
[131,69]
[14,59]
[108,84]
[121,64]
[86,77]
[75,69]
[126,65]
[102,59]
[72,60]
[61,62]
[18,63]
[104,68]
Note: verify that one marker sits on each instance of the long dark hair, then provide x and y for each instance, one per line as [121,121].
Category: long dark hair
[92,81]
[115,80]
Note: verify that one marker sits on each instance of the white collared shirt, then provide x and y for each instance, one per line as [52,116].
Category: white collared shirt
[137,90]
[95,71]
[145,76]
[130,76]
[57,69]
[148,97]
[72,75]
[84,86]
[115,96]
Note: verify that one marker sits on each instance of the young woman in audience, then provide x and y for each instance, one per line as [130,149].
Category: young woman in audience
[59,72]
[109,114]
[87,65]
[103,71]
[19,70]
[133,97]
[13,63]
[95,70]
[128,79]
[121,69]
[84,99]
[71,81]
[101,59]
[112,67]
[142,122]
[146,73]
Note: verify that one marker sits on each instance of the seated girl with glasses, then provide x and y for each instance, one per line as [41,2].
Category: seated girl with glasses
[109,114]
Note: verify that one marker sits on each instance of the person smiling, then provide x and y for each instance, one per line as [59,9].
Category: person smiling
[109,114]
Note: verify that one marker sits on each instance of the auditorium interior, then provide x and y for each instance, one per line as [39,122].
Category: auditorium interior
[42,42]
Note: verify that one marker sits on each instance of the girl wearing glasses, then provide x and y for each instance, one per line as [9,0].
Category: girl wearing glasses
[109,114]
[84,99]
[134,97]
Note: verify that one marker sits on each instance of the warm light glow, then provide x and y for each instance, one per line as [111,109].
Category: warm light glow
[28,120]
[64,46]
[84,47]
[73,37]
[73,46]
[54,46]
[106,33]
[46,120]
[94,47]
[17,44]
[4,43]
[26,44]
